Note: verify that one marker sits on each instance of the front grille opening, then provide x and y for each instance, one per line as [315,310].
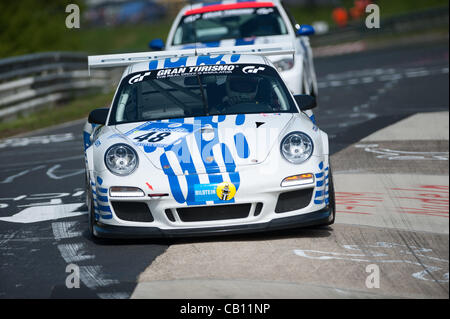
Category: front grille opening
[209,213]
[132,211]
[294,200]
[169,215]
[258,209]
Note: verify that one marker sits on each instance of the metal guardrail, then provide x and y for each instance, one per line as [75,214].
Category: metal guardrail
[31,81]
[410,22]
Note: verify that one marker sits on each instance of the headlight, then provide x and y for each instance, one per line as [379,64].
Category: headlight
[297,147]
[121,159]
[284,64]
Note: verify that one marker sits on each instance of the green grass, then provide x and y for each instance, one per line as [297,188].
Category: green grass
[30,26]
[122,38]
[77,109]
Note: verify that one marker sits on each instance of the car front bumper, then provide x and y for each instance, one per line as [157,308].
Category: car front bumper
[310,219]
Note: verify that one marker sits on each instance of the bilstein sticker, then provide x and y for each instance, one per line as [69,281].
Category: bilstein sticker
[212,192]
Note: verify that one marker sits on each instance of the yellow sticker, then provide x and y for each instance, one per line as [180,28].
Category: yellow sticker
[226,191]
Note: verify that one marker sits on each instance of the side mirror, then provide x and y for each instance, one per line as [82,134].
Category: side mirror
[305,102]
[98,116]
[305,30]
[156,44]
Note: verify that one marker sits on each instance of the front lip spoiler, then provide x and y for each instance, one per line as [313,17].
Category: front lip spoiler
[310,219]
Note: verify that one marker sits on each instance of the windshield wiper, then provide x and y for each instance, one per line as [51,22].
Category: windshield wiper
[205,103]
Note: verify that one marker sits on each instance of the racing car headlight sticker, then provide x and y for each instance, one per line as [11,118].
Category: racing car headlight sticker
[121,159]
[297,147]
[284,64]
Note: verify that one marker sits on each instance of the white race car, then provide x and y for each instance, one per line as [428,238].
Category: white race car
[252,22]
[204,143]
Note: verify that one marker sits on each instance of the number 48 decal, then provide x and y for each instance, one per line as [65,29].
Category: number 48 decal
[149,137]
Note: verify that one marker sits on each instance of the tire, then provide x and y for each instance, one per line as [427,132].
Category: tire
[91,211]
[332,200]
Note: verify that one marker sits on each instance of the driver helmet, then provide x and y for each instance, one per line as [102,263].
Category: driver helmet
[242,89]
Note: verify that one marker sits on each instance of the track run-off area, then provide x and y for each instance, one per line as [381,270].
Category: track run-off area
[386,113]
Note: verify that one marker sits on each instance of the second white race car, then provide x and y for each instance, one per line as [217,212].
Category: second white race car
[253,22]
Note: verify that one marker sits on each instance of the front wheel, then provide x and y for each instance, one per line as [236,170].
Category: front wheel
[331,199]
[91,211]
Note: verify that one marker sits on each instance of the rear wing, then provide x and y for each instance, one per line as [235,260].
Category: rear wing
[125,59]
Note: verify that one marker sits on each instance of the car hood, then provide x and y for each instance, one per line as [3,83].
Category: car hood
[210,144]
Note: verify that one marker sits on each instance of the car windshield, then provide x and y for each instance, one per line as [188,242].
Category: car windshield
[200,91]
[229,24]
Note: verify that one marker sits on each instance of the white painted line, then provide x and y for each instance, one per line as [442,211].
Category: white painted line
[74,252]
[13,177]
[369,253]
[36,140]
[43,213]
[114,295]
[78,193]
[51,172]
[64,230]
[93,277]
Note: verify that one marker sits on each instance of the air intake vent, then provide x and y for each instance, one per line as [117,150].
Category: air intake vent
[132,211]
[294,200]
[208,213]
[170,215]
[258,209]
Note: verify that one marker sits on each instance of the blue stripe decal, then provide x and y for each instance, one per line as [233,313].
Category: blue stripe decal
[182,152]
[86,139]
[321,165]
[168,63]
[103,198]
[103,208]
[240,119]
[153,65]
[318,201]
[102,190]
[319,175]
[99,180]
[319,183]
[184,157]
[318,194]
[313,118]
[241,145]
[149,149]
[173,179]
[244,42]
[206,147]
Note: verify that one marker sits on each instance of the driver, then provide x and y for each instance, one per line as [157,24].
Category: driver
[247,90]
[241,89]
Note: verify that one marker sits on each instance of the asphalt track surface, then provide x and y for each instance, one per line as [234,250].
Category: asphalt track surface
[43,226]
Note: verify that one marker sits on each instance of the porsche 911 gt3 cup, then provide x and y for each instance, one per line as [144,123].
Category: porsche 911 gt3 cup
[252,22]
[205,142]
